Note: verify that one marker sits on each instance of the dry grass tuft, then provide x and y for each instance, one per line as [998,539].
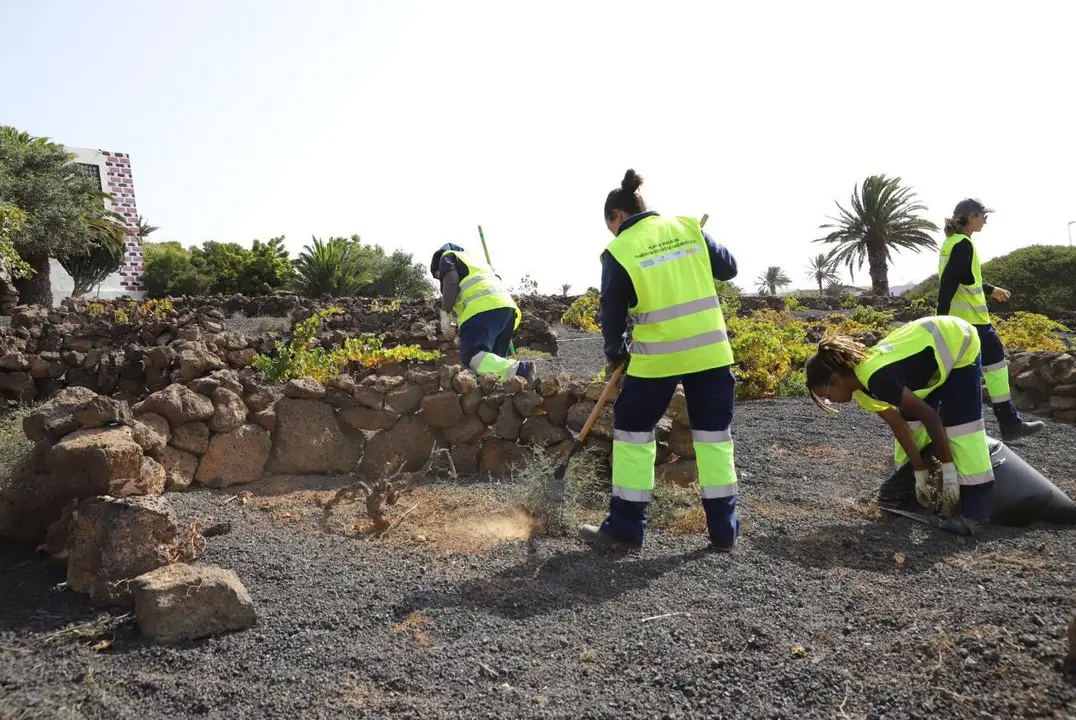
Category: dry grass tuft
[584,494]
[855,509]
[418,625]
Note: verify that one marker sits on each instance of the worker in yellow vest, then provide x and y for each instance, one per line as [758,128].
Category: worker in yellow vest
[485,311]
[924,380]
[962,293]
[661,271]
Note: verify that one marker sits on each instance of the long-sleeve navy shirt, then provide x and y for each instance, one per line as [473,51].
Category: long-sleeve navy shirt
[957,272]
[618,292]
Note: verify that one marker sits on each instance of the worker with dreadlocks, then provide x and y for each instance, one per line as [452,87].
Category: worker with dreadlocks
[925,373]
[662,271]
[485,311]
[962,293]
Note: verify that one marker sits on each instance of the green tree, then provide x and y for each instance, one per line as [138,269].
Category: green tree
[565,288]
[338,267]
[268,269]
[1040,278]
[103,257]
[397,275]
[768,282]
[40,178]
[169,270]
[11,264]
[884,217]
[821,270]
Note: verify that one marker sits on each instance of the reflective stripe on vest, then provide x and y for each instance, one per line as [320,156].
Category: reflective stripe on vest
[480,291]
[679,327]
[954,341]
[969,301]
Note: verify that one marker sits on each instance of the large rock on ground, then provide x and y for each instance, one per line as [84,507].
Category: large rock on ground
[441,410]
[148,438]
[72,409]
[470,430]
[365,418]
[196,360]
[557,405]
[409,442]
[539,431]
[235,457]
[179,468]
[114,541]
[193,437]
[603,425]
[18,385]
[304,389]
[98,461]
[229,411]
[309,440]
[187,602]
[406,400]
[178,404]
[500,457]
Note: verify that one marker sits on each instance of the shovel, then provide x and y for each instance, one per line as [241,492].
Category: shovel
[557,486]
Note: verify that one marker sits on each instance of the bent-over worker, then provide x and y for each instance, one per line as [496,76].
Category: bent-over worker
[485,311]
[923,375]
[962,293]
[661,270]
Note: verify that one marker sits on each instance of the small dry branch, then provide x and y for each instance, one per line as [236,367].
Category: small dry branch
[384,492]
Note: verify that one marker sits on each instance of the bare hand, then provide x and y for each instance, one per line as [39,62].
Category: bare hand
[1000,294]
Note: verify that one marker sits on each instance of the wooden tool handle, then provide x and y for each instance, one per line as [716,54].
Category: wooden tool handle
[602,399]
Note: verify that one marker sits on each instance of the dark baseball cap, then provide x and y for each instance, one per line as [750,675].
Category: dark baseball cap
[969,206]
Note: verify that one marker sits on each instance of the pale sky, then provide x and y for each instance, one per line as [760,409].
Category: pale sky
[411,123]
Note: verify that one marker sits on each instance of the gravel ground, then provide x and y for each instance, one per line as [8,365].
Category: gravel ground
[580,354]
[820,613]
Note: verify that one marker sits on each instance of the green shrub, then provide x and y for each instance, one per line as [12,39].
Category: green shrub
[793,384]
[1030,332]
[850,301]
[872,319]
[1040,278]
[15,448]
[302,357]
[583,313]
[793,304]
[767,346]
[924,306]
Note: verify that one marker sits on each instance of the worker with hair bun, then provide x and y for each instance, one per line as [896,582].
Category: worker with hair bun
[661,272]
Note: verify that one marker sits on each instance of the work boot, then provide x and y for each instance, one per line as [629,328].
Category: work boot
[525,370]
[598,537]
[959,525]
[1021,430]
[721,523]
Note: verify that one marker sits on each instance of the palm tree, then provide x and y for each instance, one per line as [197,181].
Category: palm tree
[565,288]
[821,269]
[144,228]
[883,218]
[337,267]
[91,266]
[768,282]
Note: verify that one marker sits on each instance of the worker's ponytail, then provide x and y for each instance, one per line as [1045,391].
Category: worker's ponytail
[955,225]
[626,197]
[837,354]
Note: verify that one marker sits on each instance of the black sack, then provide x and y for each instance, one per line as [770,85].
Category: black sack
[1022,495]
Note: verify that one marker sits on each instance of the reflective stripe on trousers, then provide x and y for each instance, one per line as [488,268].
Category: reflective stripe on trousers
[486,363]
[997,381]
[634,455]
[971,454]
[716,464]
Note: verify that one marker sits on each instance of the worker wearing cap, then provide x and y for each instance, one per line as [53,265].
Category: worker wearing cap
[963,293]
[661,271]
[485,311]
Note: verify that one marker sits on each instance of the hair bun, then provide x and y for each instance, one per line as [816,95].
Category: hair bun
[631,181]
